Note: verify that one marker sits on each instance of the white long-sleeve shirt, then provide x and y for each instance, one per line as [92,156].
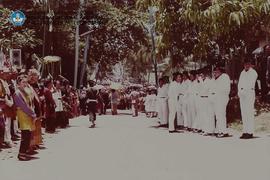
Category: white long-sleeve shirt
[163,91]
[185,87]
[247,81]
[204,87]
[57,96]
[193,88]
[173,91]
[222,85]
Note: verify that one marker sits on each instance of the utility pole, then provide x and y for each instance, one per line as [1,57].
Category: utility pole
[84,59]
[77,41]
[152,12]
[44,27]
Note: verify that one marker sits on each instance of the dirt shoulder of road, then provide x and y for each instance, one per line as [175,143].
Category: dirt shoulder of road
[262,123]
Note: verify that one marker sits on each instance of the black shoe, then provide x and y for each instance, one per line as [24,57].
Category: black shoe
[163,125]
[249,136]
[174,131]
[244,136]
[180,127]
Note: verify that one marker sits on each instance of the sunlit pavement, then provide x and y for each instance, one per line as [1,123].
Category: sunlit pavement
[124,148]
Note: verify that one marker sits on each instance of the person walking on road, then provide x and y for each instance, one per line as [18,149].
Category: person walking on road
[91,103]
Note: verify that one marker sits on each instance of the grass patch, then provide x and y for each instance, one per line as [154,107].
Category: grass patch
[262,124]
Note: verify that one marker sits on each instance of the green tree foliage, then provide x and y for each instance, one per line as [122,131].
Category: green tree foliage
[117,36]
[192,26]
[15,37]
[118,33]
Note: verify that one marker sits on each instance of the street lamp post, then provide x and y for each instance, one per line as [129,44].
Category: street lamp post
[152,11]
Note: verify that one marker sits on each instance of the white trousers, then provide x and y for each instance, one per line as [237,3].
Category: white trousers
[7,136]
[163,110]
[191,111]
[220,105]
[179,112]
[247,101]
[172,114]
[197,122]
[186,118]
[206,121]
[209,119]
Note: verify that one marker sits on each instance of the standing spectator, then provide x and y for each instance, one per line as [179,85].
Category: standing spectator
[7,106]
[50,107]
[151,103]
[100,103]
[66,89]
[114,101]
[134,95]
[106,100]
[74,102]
[83,102]
[33,76]
[2,128]
[25,114]
[59,110]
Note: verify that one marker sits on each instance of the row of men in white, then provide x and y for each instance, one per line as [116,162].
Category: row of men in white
[198,100]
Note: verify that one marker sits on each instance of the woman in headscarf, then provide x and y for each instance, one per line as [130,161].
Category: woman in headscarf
[23,99]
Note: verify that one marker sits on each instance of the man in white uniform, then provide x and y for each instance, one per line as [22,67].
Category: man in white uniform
[191,99]
[246,93]
[221,91]
[173,94]
[179,107]
[197,128]
[206,116]
[185,86]
[162,99]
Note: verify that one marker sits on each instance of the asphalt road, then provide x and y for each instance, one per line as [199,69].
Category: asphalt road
[126,148]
